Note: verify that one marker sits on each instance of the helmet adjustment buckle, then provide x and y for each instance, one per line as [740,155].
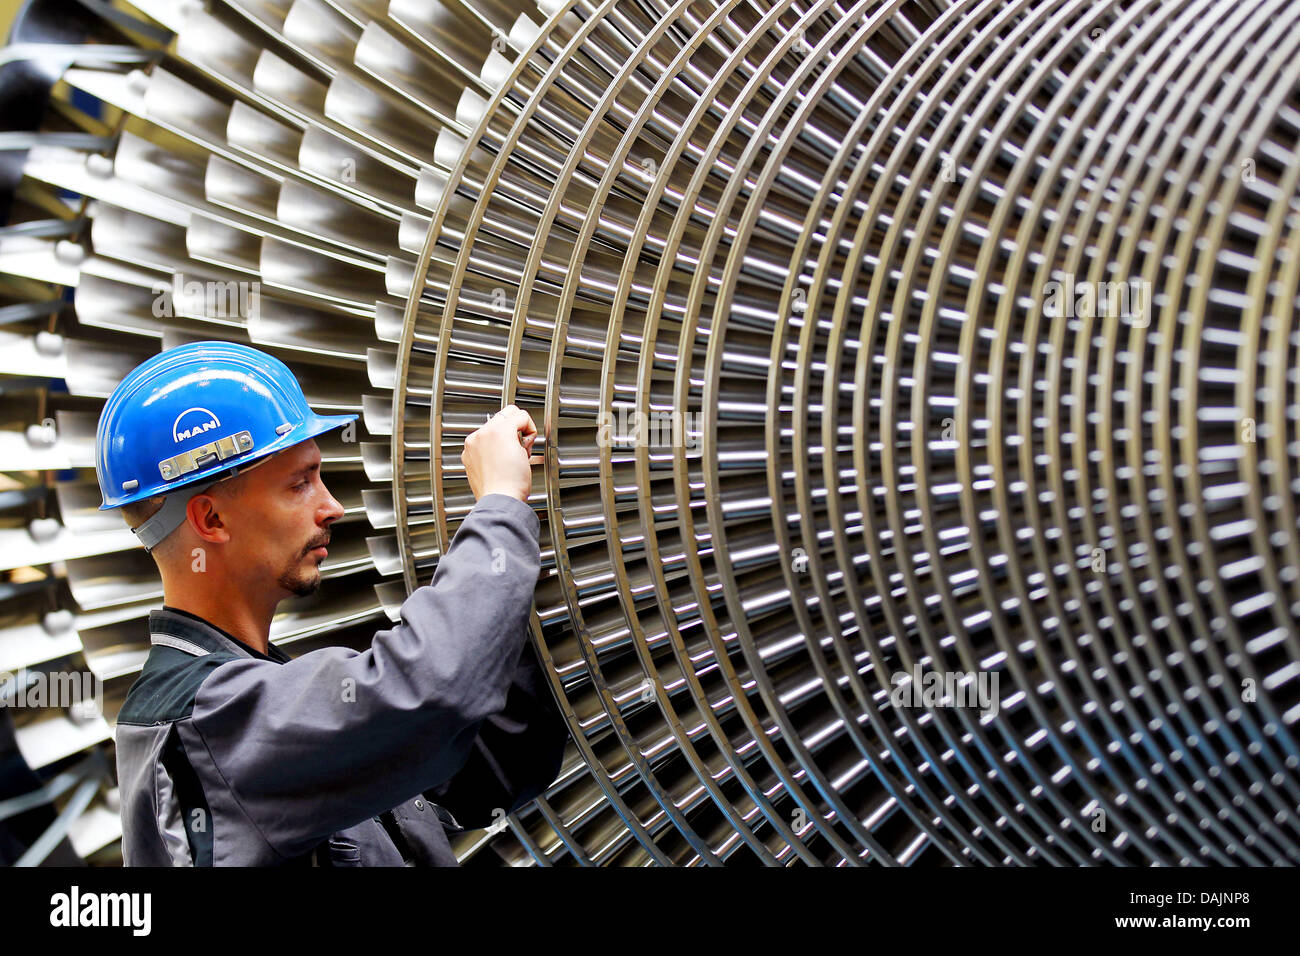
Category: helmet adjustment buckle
[187,461]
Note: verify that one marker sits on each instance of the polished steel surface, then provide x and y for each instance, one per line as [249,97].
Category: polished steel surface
[877,347]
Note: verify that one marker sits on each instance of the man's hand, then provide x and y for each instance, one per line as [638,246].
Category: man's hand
[496,456]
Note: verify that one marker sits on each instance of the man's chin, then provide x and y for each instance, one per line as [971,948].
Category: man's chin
[302,587]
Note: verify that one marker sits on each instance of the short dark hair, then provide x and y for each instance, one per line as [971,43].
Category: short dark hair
[138,512]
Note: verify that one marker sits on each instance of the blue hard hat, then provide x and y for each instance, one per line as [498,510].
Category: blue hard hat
[196,414]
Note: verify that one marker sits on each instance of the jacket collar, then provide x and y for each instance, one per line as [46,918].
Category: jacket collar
[188,632]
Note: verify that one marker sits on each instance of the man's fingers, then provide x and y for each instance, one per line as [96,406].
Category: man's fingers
[512,416]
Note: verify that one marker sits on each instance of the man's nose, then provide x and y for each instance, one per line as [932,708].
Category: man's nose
[333,510]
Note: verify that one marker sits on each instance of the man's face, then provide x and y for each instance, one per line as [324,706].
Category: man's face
[278,514]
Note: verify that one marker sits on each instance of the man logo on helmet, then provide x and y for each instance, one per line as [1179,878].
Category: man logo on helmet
[196,427]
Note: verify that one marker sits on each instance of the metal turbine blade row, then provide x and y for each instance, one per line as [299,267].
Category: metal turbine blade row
[824,238]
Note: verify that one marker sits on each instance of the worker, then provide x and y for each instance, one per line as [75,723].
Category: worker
[229,751]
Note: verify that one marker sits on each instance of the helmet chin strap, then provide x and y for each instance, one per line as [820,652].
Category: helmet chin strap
[172,514]
[167,518]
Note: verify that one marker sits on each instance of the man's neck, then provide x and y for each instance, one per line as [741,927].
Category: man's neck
[240,620]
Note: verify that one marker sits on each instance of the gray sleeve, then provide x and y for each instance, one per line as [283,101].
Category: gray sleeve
[517,754]
[335,736]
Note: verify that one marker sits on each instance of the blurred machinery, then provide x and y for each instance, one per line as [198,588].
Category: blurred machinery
[880,348]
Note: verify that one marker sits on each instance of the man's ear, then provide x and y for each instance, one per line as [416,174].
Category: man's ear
[203,514]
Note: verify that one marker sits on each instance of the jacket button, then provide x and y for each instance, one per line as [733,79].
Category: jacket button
[419,804]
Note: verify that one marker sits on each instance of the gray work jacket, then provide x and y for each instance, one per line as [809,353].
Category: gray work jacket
[230,757]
